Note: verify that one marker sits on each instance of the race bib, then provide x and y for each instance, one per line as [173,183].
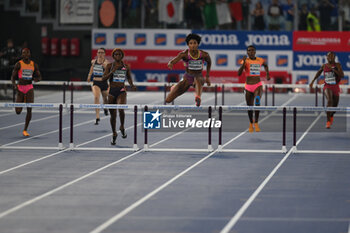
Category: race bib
[254,69]
[98,71]
[330,78]
[195,64]
[27,74]
[119,76]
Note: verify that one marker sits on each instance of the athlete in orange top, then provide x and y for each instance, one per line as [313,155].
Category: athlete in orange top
[26,70]
[253,87]
[333,73]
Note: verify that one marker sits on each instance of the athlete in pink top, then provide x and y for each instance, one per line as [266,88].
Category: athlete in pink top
[253,87]
[333,73]
[26,70]
[194,60]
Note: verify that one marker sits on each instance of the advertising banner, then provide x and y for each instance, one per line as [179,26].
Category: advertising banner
[299,54]
[76,11]
[321,41]
[175,39]
[314,60]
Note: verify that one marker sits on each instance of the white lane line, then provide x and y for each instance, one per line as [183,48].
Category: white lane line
[31,201]
[349,228]
[10,112]
[245,206]
[32,121]
[53,154]
[115,218]
[56,115]
[262,120]
[50,155]
[9,211]
[50,132]
[55,131]
[127,210]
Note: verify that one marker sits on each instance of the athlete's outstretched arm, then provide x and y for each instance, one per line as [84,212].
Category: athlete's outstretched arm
[108,72]
[240,70]
[319,72]
[90,71]
[267,71]
[208,60]
[175,60]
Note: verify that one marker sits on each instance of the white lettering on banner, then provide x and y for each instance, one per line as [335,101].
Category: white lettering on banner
[160,77]
[219,39]
[130,58]
[310,60]
[348,63]
[158,59]
[318,41]
[278,40]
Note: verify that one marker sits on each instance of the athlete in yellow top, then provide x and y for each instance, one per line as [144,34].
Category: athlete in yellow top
[253,86]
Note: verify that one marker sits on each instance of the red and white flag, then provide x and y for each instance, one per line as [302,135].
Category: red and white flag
[171,11]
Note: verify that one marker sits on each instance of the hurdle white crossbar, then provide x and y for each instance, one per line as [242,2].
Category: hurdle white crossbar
[252,151]
[162,84]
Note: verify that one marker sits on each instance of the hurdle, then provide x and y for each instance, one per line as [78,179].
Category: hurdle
[271,108]
[102,106]
[137,108]
[320,110]
[179,107]
[37,105]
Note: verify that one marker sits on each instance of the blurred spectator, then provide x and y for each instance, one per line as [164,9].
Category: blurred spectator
[304,11]
[275,12]
[313,23]
[335,14]
[258,14]
[209,12]
[325,9]
[193,14]
[245,13]
[236,11]
[151,20]
[289,14]
[224,15]
[48,9]
[9,56]
[131,13]
[345,6]
[345,14]
[32,5]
